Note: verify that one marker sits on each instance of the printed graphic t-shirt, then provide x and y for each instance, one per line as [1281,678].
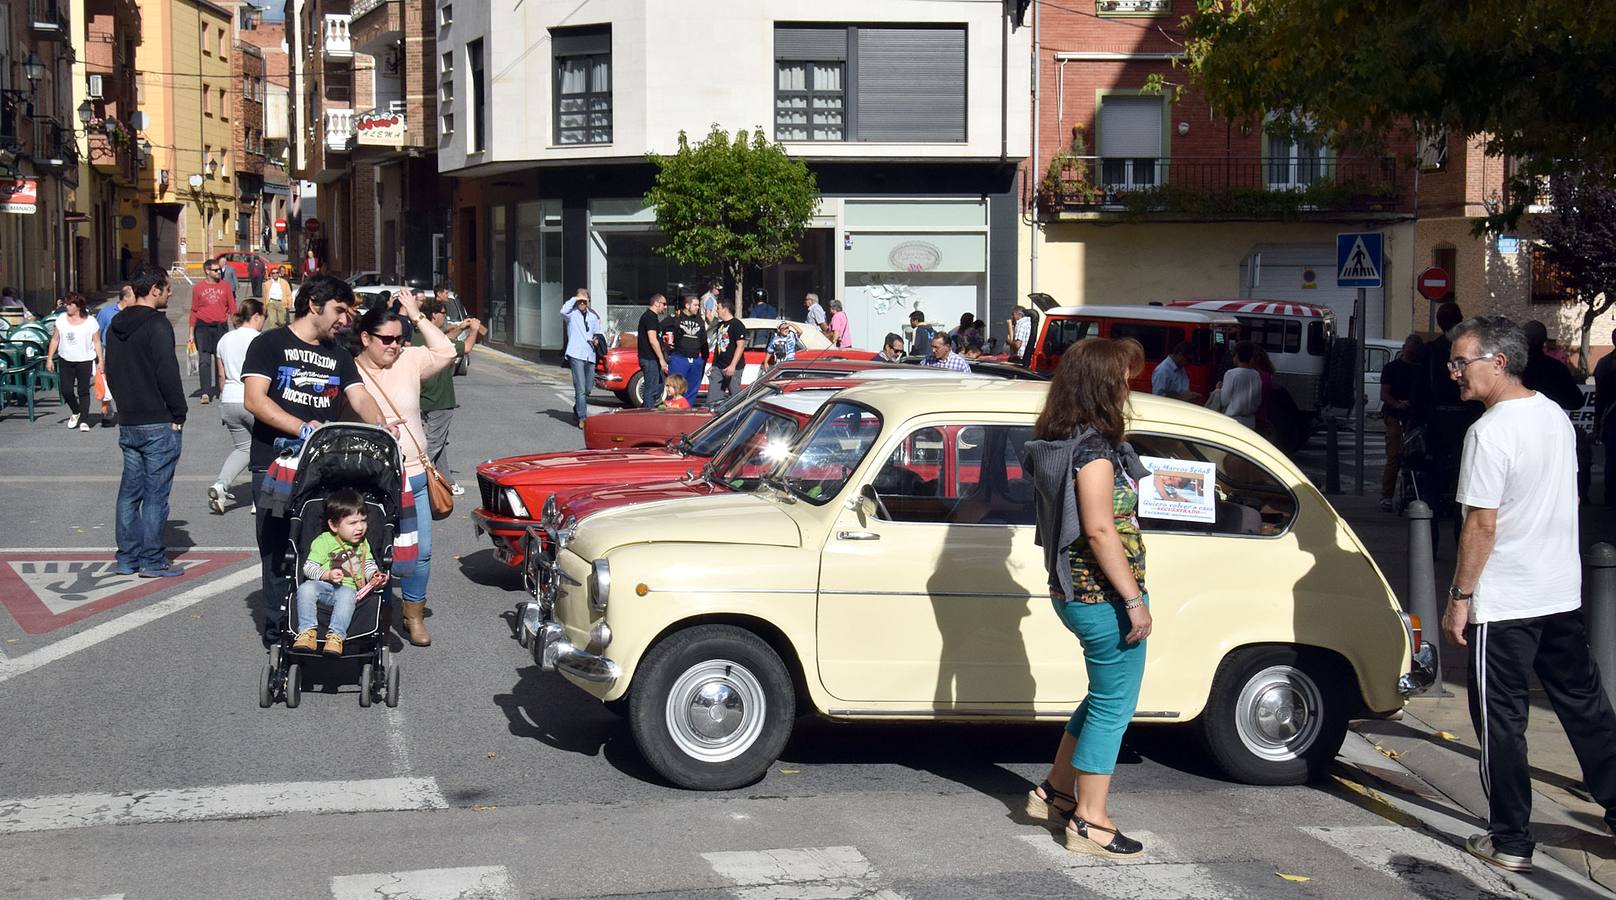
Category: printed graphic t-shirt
[730,334]
[307,380]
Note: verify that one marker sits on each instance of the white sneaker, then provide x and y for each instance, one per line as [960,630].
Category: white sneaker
[216,493]
[456,489]
[73,421]
[84,426]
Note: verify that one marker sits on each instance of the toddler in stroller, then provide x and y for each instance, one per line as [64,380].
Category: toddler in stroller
[338,571]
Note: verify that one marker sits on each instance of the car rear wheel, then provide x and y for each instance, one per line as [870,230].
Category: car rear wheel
[712,707]
[1276,715]
[634,397]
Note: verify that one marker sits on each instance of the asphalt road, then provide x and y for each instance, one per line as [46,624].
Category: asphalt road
[137,764]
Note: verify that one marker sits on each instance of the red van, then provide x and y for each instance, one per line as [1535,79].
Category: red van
[1157,328]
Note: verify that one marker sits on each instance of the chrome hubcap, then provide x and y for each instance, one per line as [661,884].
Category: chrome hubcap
[715,710]
[1279,713]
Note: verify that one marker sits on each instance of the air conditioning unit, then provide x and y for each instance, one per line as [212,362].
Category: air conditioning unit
[95,87]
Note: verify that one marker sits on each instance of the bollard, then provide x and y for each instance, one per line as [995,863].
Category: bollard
[1332,457]
[1422,599]
[1599,607]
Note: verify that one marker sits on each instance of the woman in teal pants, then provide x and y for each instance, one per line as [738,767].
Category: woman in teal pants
[1105,604]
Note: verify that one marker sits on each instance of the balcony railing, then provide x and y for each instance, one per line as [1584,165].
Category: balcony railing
[339,129]
[335,40]
[1220,187]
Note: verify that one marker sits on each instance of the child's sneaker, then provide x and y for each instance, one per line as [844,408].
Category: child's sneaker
[333,645]
[305,641]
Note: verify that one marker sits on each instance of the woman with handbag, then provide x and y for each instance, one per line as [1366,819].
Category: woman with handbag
[1096,561]
[393,371]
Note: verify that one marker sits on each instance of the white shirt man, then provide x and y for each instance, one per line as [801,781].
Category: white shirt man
[815,316]
[1517,588]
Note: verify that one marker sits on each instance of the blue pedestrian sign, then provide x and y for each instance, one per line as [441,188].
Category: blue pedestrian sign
[1358,262]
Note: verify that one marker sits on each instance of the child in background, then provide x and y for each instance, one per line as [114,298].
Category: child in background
[339,570]
[673,393]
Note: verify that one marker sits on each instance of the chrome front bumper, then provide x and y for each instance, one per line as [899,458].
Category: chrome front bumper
[537,630]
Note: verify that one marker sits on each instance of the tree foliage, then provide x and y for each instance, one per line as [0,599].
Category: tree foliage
[1579,241]
[735,202]
[1536,78]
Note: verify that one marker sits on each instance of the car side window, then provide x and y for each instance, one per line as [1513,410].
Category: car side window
[986,486]
[1063,333]
[1249,500]
[1157,340]
[1376,358]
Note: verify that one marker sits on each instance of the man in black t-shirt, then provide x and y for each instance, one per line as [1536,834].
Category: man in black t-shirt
[653,359]
[1396,401]
[295,379]
[727,355]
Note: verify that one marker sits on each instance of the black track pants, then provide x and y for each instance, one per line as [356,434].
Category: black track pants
[1502,656]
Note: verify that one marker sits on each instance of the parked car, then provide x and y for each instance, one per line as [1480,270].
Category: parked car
[241,262]
[1297,337]
[1158,329]
[882,567]
[1377,353]
[619,372]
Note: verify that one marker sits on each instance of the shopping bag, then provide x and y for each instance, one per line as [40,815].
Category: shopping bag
[192,363]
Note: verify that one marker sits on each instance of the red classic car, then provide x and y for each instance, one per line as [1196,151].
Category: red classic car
[242,263]
[513,490]
[619,372]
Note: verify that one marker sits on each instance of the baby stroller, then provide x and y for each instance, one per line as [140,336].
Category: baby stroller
[340,455]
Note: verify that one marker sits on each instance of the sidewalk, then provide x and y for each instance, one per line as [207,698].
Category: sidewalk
[1435,739]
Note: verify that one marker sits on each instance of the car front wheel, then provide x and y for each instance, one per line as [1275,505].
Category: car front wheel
[712,707]
[634,397]
[1277,715]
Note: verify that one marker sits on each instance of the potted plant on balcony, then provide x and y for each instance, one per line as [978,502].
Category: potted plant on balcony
[1066,182]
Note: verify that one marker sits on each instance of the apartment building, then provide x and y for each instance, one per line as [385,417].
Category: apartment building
[1140,197]
[269,39]
[188,188]
[110,154]
[247,143]
[912,116]
[328,79]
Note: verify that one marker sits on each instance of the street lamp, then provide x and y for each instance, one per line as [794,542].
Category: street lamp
[86,113]
[33,70]
[212,167]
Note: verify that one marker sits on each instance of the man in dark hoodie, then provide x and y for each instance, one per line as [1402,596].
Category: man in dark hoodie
[143,372]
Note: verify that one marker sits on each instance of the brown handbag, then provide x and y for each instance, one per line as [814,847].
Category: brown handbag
[439,495]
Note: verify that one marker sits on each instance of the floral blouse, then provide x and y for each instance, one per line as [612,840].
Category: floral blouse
[1089,583]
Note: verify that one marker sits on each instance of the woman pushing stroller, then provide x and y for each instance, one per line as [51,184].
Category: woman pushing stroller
[338,571]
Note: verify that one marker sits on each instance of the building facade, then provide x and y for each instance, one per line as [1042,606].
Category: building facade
[275,204]
[109,152]
[1141,197]
[247,144]
[912,117]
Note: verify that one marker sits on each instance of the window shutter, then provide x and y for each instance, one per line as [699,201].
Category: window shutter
[586,41]
[1130,127]
[810,43]
[911,84]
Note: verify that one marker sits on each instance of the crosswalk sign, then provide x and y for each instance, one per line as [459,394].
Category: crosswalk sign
[1358,262]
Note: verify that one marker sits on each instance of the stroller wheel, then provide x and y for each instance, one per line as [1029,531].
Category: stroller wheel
[392,685]
[294,685]
[266,686]
[367,684]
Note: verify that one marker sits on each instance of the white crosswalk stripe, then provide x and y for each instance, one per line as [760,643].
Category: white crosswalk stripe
[808,873]
[1159,872]
[1428,867]
[466,883]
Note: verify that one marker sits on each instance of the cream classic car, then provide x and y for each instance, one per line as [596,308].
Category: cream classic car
[883,567]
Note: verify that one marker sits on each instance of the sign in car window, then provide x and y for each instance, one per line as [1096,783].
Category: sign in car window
[1180,489]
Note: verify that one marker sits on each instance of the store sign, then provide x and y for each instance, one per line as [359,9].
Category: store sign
[915,256]
[19,196]
[1133,7]
[379,129]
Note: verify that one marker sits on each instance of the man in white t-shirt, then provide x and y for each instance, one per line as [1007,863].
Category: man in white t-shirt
[1517,589]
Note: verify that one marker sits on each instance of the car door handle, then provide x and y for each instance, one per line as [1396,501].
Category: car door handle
[857,536]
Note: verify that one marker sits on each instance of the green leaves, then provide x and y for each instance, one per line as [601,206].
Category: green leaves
[737,201]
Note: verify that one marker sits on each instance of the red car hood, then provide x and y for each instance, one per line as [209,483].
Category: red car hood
[584,502]
[590,467]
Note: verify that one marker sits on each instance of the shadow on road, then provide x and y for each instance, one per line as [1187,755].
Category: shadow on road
[483,569]
[543,706]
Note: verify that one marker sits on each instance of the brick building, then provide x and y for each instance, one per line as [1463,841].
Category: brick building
[247,70]
[270,40]
[109,145]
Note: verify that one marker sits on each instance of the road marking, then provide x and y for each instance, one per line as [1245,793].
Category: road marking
[1425,866]
[466,883]
[822,873]
[397,748]
[89,637]
[230,801]
[1158,872]
[92,479]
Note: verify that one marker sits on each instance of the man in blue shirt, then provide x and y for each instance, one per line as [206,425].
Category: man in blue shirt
[923,333]
[943,357]
[1170,378]
[761,307]
[582,325]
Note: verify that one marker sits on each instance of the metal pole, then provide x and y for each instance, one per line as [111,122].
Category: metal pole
[1599,606]
[1332,455]
[1422,600]
[1359,308]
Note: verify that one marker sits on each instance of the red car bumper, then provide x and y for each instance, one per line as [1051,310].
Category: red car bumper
[507,533]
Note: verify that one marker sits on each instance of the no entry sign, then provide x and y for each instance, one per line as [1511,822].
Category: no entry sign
[1434,284]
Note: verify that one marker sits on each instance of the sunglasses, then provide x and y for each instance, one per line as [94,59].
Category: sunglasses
[388,339]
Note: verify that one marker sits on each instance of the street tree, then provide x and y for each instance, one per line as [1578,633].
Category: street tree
[733,202]
[1535,80]
[1579,242]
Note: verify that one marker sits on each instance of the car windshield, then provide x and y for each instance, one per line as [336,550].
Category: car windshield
[819,466]
[711,437]
[761,441]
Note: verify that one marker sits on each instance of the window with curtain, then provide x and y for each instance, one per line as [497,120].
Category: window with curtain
[810,101]
[840,82]
[583,85]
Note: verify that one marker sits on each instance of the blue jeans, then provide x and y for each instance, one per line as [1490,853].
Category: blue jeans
[314,594]
[414,586]
[652,391]
[1115,669]
[583,378]
[691,368]
[150,453]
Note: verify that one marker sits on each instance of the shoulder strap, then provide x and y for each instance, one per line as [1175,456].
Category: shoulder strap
[404,424]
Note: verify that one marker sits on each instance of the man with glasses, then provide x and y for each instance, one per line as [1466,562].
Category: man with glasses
[1516,598]
[212,304]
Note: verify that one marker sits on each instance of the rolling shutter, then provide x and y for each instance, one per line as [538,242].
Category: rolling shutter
[806,43]
[911,84]
[1131,127]
[588,40]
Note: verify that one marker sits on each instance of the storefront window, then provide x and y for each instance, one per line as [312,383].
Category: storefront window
[499,285]
[537,269]
[890,274]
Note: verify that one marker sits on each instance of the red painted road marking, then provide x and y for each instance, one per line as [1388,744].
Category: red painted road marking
[46,590]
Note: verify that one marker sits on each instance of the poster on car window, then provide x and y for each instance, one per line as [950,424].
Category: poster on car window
[1179,489]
